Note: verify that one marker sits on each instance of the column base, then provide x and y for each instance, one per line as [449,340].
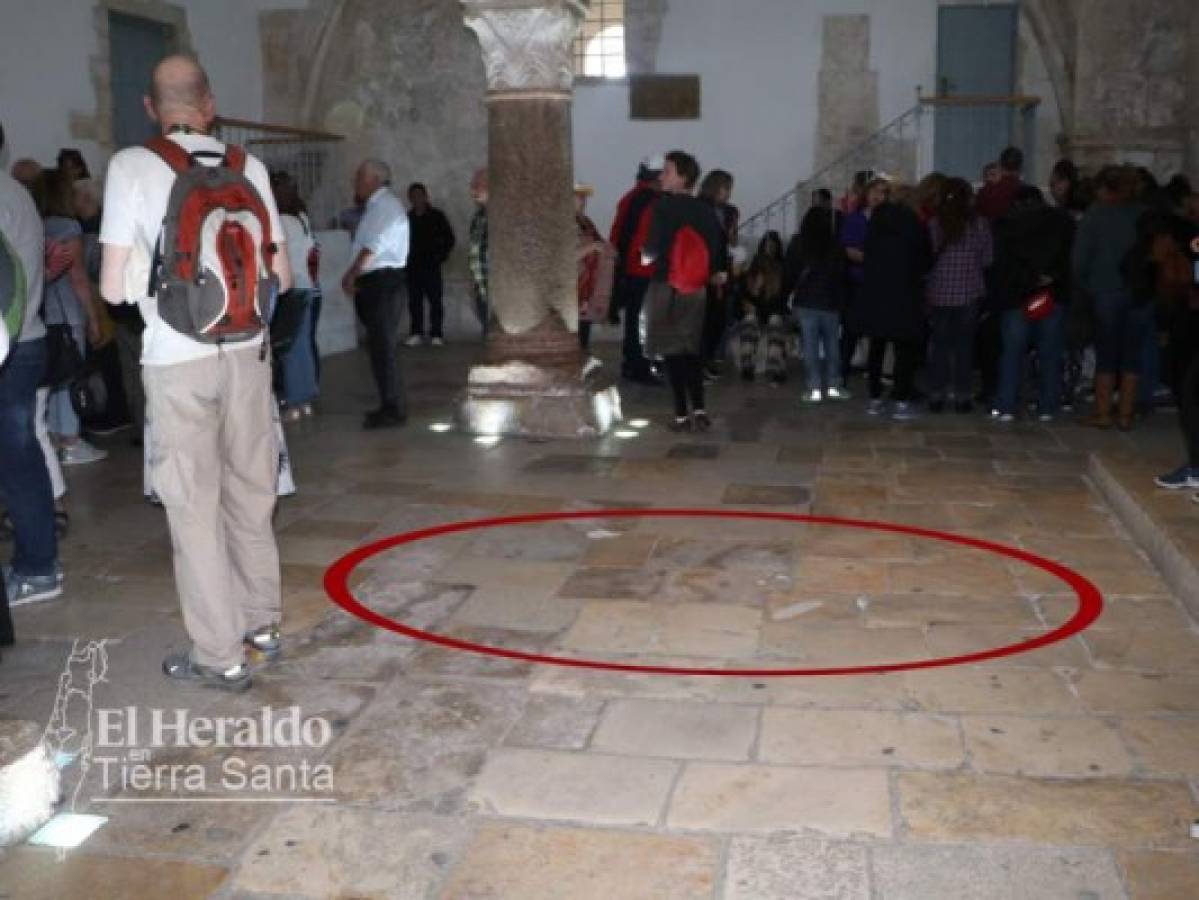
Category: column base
[523,399]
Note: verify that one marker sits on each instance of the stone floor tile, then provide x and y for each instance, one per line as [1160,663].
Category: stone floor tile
[582,787]
[610,583]
[506,607]
[744,587]
[1119,613]
[955,577]
[786,867]
[834,646]
[38,873]
[818,574]
[529,863]
[859,738]
[201,832]
[994,873]
[631,551]
[556,723]
[928,610]
[699,629]
[1153,875]
[1041,746]
[1163,746]
[329,528]
[756,799]
[963,640]
[980,689]
[854,543]
[1137,693]
[767,495]
[718,731]
[1092,812]
[1145,649]
[336,851]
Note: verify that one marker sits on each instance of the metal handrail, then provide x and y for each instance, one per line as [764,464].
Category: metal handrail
[793,196]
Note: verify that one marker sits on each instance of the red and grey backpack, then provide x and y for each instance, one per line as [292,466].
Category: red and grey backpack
[212,270]
[690,261]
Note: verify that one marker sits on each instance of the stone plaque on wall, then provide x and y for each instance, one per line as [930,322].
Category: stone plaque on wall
[664,97]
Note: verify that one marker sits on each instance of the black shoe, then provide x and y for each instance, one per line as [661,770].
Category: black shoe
[936,406]
[747,374]
[700,421]
[963,407]
[387,417]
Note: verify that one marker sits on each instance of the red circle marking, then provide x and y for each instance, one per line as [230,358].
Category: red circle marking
[1090,601]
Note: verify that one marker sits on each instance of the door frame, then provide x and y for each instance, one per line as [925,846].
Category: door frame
[179,41]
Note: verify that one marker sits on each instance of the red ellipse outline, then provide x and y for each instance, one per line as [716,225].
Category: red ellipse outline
[1090,600]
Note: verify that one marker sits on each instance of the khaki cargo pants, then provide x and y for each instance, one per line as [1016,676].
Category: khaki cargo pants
[213,460]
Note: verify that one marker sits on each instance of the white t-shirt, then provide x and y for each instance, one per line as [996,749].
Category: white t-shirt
[383,231]
[300,241]
[136,193]
[23,229]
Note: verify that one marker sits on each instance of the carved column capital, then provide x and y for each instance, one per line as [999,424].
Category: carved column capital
[527,45]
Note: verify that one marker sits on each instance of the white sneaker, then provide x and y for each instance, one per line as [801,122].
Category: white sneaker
[81,453]
[836,393]
[415,341]
[812,396]
[437,342]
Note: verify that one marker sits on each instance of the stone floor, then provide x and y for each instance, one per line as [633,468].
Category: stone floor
[1068,772]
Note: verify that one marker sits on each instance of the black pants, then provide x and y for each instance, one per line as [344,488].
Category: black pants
[988,348]
[1184,357]
[584,335]
[377,302]
[318,300]
[686,375]
[716,324]
[951,352]
[425,284]
[633,297]
[907,357]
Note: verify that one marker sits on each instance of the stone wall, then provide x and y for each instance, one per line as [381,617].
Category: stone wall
[403,81]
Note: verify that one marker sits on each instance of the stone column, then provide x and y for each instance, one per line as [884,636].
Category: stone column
[532,380]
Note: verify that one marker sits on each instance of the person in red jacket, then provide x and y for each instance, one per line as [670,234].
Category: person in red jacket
[995,198]
[629,231]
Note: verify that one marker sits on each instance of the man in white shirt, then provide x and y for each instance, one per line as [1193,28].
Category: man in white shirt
[34,573]
[212,450]
[374,280]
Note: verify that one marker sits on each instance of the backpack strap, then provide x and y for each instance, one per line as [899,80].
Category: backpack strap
[169,152]
[235,158]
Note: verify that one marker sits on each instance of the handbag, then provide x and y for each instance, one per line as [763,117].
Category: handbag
[64,362]
[1040,304]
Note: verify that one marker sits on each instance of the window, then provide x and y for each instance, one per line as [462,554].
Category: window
[599,48]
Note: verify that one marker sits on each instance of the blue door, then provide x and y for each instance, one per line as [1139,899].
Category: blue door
[135,47]
[976,57]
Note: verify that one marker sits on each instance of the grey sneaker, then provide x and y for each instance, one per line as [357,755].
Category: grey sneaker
[180,667]
[265,643]
[838,393]
[81,453]
[25,589]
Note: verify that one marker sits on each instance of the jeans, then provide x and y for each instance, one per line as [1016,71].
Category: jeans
[1049,337]
[426,284]
[686,375]
[819,329]
[1151,368]
[61,416]
[318,300]
[1120,326]
[1184,360]
[299,365]
[633,296]
[377,303]
[24,480]
[951,351]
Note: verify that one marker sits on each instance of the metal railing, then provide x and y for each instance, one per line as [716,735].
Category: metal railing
[902,149]
[897,150]
[315,159]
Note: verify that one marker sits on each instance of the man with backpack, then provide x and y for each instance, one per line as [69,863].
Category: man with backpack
[191,234]
[684,248]
[629,231]
[34,573]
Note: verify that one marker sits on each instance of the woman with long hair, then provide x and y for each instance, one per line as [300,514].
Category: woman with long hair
[716,189]
[854,228]
[962,253]
[293,323]
[763,305]
[816,281]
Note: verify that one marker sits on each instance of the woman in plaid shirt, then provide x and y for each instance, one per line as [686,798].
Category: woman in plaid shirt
[962,252]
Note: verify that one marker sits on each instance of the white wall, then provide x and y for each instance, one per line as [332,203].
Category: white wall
[46,48]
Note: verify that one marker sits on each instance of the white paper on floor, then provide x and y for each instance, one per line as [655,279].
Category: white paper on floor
[797,609]
[601,535]
[67,830]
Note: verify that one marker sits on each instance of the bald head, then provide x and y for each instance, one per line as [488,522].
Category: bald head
[180,93]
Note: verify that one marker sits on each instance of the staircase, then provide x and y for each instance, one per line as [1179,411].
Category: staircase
[898,149]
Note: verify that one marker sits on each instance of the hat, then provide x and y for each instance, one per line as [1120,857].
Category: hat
[651,167]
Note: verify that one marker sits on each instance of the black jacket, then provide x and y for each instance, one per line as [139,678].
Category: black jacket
[898,256]
[1030,245]
[432,239]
